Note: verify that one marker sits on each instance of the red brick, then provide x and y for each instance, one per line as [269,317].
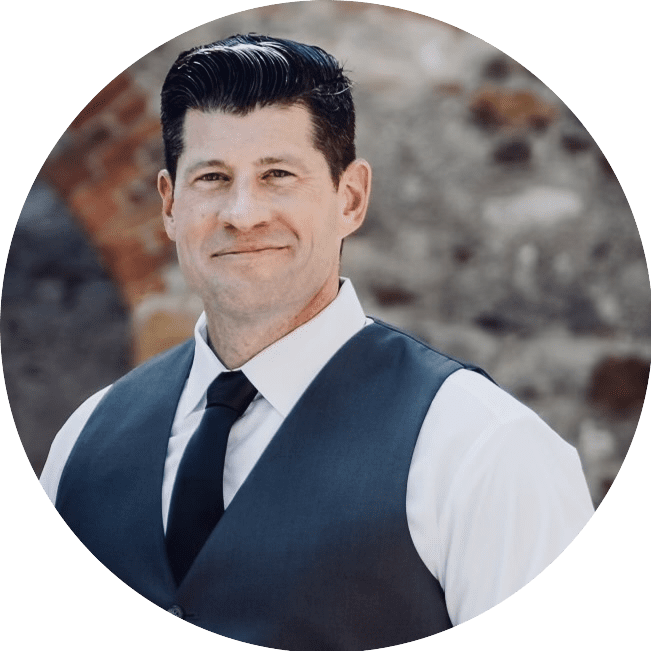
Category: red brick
[93,206]
[94,137]
[132,110]
[119,154]
[618,385]
[126,256]
[123,150]
[102,99]
[500,107]
[161,331]
[65,173]
[120,176]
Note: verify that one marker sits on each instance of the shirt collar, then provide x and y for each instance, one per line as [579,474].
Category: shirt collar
[282,371]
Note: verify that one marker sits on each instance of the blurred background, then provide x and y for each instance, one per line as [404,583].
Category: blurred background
[497,231]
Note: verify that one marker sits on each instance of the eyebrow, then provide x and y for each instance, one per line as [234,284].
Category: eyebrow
[265,160]
[273,160]
[205,163]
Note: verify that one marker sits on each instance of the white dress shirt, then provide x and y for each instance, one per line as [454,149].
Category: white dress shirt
[493,495]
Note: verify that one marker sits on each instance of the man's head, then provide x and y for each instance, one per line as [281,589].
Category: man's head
[242,73]
[262,183]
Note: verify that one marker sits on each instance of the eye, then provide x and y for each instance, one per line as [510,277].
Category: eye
[277,174]
[212,176]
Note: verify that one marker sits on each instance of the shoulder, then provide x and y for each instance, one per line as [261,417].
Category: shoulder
[65,440]
[422,353]
[479,444]
[155,369]
[181,354]
[493,493]
[473,418]
[466,387]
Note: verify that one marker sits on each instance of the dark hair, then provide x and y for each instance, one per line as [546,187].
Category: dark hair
[242,73]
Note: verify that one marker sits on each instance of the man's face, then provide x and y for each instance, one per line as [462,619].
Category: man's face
[254,212]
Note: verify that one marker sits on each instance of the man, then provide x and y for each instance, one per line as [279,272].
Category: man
[375,491]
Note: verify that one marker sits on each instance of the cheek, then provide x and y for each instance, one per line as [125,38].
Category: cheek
[192,225]
[188,245]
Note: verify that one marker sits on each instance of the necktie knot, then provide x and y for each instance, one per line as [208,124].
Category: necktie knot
[231,389]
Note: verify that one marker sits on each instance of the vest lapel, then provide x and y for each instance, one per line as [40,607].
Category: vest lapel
[317,429]
[126,493]
[314,549]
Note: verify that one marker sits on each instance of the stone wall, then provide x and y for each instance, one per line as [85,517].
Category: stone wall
[65,327]
[497,229]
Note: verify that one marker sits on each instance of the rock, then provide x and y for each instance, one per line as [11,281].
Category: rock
[618,385]
[513,152]
[65,328]
[540,205]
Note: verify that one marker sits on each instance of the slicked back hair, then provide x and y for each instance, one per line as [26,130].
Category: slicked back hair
[242,73]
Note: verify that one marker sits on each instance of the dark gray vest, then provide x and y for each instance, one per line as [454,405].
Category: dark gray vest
[314,551]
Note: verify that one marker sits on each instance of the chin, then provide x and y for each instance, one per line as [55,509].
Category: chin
[249,297]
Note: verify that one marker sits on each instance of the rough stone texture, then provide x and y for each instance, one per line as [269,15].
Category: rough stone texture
[65,328]
[497,229]
[619,385]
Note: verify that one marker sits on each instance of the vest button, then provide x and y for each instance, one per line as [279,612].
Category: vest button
[177,611]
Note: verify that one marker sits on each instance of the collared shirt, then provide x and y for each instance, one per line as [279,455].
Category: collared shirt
[493,494]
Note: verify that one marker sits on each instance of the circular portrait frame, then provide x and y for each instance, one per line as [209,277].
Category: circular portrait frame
[58,591]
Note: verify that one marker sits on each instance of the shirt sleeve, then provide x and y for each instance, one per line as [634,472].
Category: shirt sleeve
[494,495]
[64,442]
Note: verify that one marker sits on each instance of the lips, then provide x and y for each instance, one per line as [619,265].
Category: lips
[258,248]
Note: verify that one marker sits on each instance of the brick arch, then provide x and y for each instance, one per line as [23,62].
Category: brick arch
[104,167]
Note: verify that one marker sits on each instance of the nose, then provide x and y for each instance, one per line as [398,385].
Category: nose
[243,208]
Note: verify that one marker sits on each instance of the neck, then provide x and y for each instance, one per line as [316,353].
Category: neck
[236,338]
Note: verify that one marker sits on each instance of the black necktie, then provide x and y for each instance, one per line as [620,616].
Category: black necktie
[197,499]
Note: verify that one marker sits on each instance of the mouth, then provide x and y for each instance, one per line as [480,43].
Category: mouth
[246,251]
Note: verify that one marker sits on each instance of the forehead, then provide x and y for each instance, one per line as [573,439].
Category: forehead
[264,132]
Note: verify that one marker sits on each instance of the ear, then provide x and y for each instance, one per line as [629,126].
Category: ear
[166,191]
[354,191]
